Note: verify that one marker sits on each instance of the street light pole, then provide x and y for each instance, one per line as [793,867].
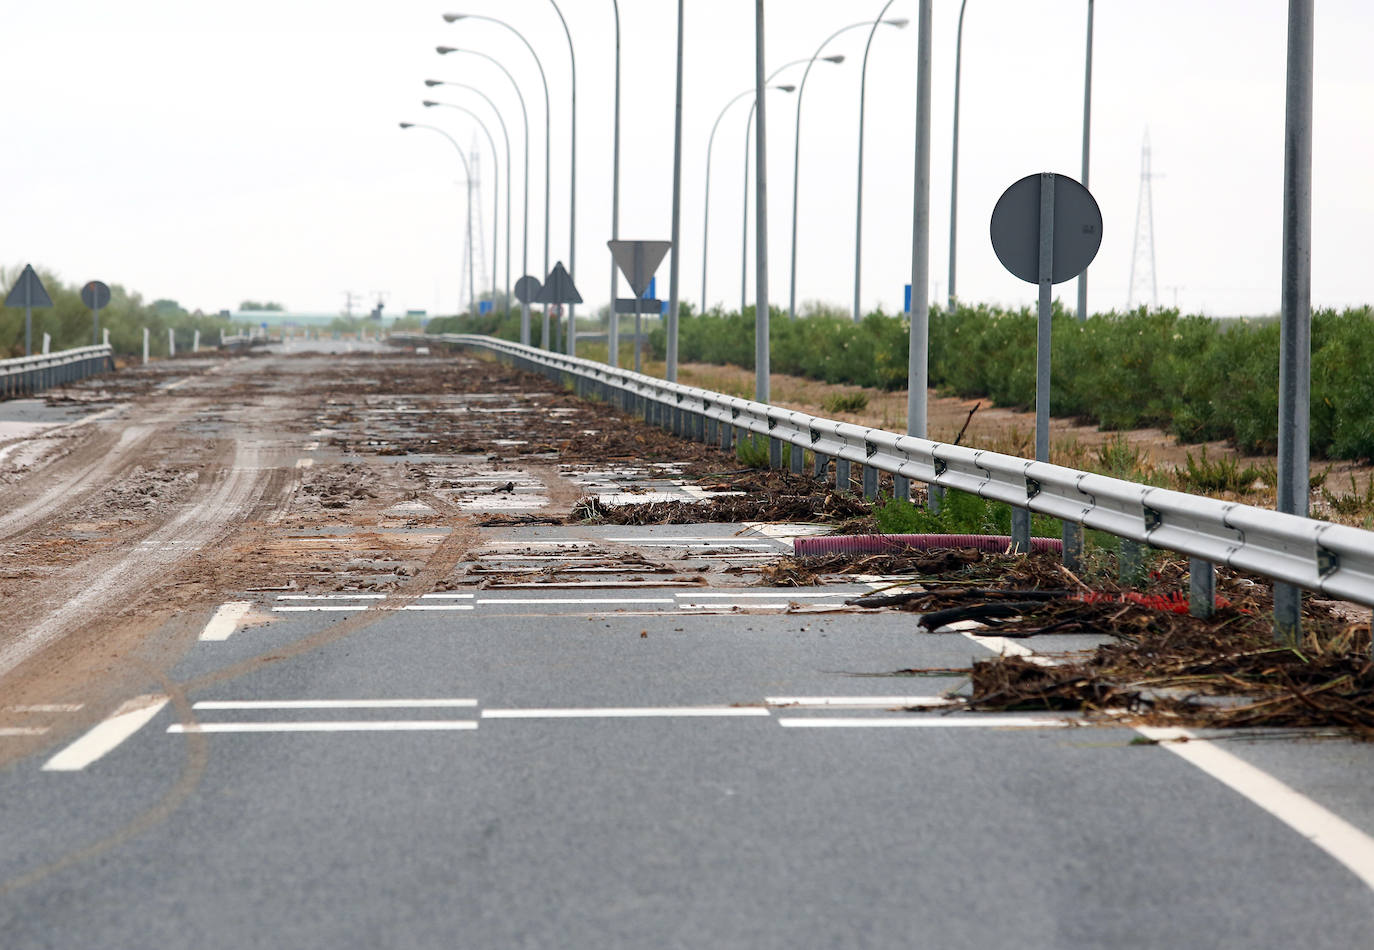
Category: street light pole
[859,200]
[761,314]
[613,322]
[525,200]
[572,191]
[748,131]
[496,186]
[509,185]
[954,163]
[452,17]
[675,268]
[467,176]
[1087,124]
[796,153]
[918,363]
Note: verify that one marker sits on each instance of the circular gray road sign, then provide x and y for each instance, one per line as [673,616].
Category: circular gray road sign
[527,289]
[1016,229]
[95,295]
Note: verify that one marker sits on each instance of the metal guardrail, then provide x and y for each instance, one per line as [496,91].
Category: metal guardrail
[1336,560]
[30,374]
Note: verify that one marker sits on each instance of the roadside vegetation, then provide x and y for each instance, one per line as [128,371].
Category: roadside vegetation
[69,323]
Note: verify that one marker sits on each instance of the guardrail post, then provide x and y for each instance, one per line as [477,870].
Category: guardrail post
[798,465]
[842,474]
[1131,562]
[1202,588]
[774,453]
[727,436]
[1073,545]
[821,467]
[901,487]
[1020,530]
[870,483]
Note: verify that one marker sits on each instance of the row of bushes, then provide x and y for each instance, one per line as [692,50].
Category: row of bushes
[1198,378]
[69,322]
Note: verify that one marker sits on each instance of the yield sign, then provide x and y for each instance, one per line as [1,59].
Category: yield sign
[559,287]
[28,291]
[638,260]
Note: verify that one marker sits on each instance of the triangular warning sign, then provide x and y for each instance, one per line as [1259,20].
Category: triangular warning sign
[28,291]
[638,260]
[559,287]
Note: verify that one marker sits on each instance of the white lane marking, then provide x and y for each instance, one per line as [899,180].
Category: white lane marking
[928,722]
[447,596]
[1350,846]
[437,607]
[693,540]
[397,725]
[279,610]
[331,597]
[22,730]
[335,704]
[574,600]
[130,717]
[774,594]
[1009,648]
[720,605]
[305,463]
[629,712]
[311,446]
[225,620]
[860,702]
[46,708]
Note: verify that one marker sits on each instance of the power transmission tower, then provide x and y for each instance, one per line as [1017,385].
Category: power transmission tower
[474,248]
[1143,253]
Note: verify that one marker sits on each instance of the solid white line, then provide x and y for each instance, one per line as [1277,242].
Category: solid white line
[22,730]
[437,607]
[928,722]
[331,597]
[447,596]
[643,712]
[1341,840]
[574,600]
[725,605]
[280,610]
[875,702]
[1010,648]
[46,708]
[225,620]
[714,542]
[774,594]
[335,704]
[130,717]
[375,725]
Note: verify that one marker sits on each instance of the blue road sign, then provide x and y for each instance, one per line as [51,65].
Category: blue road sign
[906,307]
[484,306]
[649,293]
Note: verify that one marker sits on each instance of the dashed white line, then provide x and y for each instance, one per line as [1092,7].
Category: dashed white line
[525,601]
[225,620]
[319,607]
[627,712]
[335,704]
[305,463]
[16,731]
[738,595]
[861,702]
[331,597]
[374,725]
[926,722]
[46,708]
[106,736]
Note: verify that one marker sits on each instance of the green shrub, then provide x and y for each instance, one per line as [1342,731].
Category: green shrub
[845,402]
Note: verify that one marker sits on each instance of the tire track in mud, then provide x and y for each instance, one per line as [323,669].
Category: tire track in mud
[233,496]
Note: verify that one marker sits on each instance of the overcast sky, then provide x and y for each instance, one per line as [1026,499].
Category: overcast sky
[216,152]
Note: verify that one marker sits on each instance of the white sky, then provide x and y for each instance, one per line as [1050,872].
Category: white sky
[216,152]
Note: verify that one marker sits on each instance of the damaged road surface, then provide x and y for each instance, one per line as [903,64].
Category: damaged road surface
[369,649]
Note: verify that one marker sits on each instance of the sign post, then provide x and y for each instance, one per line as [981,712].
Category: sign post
[28,292]
[96,296]
[1045,229]
[526,290]
[558,290]
[637,260]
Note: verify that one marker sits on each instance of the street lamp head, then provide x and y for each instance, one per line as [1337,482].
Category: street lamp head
[442,50]
[900,23]
[434,82]
[786,88]
[429,103]
[838,58]
[407,125]
[450,17]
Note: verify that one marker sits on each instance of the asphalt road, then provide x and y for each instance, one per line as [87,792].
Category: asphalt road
[632,765]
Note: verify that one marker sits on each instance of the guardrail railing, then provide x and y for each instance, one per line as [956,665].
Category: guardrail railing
[30,374]
[1335,560]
